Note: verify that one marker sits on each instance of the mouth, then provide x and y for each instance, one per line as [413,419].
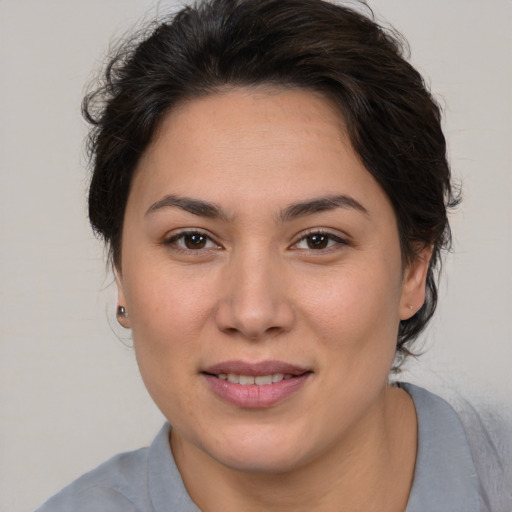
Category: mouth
[258,380]
[255,385]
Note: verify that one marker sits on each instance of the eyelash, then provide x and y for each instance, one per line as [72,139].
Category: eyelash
[174,240]
[332,241]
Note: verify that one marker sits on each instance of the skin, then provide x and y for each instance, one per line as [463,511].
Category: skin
[258,289]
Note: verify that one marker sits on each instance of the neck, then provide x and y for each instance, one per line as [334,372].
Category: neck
[371,470]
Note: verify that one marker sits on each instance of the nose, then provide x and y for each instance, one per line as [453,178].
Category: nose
[254,302]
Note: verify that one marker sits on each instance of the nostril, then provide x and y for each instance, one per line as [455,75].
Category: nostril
[274,330]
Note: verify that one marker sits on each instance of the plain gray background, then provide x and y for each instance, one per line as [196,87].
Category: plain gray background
[70,394]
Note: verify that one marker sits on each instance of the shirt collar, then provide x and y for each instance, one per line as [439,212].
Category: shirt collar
[445,477]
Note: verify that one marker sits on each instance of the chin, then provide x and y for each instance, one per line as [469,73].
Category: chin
[260,462]
[260,452]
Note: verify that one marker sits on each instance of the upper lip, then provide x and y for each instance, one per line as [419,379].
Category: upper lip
[255,369]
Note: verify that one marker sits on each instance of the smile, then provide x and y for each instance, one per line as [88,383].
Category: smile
[259,380]
[255,385]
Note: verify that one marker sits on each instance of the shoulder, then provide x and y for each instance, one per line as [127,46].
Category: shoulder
[464,450]
[145,480]
[117,485]
[442,439]
[445,476]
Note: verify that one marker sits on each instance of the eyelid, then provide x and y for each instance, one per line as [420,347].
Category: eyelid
[340,239]
[170,239]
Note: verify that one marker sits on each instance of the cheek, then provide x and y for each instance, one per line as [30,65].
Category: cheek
[165,302]
[168,318]
[355,315]
[168,314]
[352,300]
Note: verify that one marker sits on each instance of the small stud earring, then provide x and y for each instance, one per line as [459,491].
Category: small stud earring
[121,311]
[410,307]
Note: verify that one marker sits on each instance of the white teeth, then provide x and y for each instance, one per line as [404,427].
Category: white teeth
[260,380]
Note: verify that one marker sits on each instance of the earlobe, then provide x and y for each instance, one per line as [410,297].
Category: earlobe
[414,283]
[122,315]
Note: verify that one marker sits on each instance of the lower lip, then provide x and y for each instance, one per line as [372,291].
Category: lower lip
[252,396]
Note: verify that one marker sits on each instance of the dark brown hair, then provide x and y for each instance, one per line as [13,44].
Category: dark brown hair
[391,118]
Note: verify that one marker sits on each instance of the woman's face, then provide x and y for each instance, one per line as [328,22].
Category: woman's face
[262,276]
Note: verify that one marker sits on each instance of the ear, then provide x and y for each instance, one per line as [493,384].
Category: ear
[123,319]
[414,282]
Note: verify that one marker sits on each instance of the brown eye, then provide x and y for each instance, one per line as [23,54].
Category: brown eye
[317,241]
[191,241]
[195,241]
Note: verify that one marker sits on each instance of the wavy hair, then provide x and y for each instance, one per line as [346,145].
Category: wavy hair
[393,122]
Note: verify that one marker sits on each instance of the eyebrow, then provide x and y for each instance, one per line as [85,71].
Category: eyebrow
[212,211]
[194,206]
[321,204]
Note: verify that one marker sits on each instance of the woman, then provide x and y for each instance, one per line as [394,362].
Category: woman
[271,180]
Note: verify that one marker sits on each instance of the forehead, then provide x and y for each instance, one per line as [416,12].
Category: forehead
[257,144]
[244,119]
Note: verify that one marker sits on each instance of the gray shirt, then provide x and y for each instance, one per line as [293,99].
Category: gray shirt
[147,480]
